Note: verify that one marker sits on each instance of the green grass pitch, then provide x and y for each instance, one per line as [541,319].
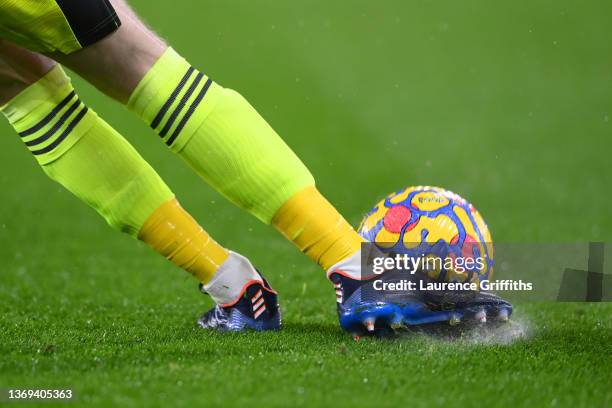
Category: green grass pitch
[508,104]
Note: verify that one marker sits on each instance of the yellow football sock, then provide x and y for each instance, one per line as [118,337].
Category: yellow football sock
[220,135]
[316,228]
[84,154]
[172,232]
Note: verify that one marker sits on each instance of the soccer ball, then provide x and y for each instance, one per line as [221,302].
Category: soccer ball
[436,225]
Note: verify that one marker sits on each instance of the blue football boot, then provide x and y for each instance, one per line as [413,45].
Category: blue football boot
[245,300]
[365,308]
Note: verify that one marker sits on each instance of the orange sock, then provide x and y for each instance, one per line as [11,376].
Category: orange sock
[172,232]
[316,228]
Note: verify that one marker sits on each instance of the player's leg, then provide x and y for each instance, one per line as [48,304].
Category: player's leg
[80,151]
[219,134]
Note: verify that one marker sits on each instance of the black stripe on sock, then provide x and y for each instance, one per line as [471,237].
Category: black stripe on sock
[181,104]
[56,126]
[48,118]
[170,100]
[189,112]
[64,134]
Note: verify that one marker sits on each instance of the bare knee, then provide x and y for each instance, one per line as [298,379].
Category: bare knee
[117,63]
[19,68]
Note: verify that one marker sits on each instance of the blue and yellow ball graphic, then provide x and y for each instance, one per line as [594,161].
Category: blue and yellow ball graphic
[435,224]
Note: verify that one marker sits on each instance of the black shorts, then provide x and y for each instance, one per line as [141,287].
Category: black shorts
[56,25]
